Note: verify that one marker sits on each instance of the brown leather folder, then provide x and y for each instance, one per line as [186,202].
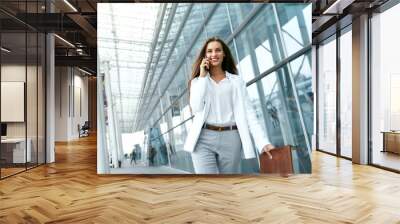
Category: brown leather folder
[281,162]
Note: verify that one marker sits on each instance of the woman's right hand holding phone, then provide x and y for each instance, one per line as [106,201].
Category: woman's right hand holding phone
[204,67]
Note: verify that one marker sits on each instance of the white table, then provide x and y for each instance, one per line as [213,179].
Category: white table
[19,149]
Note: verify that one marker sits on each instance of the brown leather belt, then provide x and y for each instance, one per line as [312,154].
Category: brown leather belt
[217,128]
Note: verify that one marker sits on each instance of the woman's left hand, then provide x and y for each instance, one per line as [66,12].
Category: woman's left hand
[268,148]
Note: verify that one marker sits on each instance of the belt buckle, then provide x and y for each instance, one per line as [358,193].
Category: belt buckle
[219,128]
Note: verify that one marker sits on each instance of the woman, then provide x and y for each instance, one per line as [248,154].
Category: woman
[223,113]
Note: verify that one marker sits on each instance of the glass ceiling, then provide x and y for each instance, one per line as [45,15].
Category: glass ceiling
[125,34]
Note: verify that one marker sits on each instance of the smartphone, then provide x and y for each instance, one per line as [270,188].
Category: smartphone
[208,67]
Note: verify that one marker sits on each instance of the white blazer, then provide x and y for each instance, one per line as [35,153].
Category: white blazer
[244,113]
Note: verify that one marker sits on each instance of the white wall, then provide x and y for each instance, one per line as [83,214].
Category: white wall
[61,103]
[81,83]
[71,87]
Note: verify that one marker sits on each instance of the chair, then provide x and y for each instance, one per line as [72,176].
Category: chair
[84,130]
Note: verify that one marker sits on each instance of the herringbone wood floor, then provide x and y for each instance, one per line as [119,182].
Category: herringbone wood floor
[70,191]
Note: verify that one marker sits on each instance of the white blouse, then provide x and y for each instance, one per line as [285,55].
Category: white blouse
[221,109]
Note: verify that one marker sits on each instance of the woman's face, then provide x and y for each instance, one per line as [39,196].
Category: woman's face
[215,53]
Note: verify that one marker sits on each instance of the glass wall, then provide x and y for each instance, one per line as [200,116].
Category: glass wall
[13,77]
[277,110]
[327,95]
[22,93]
[385,89]
[346,92]
[334,60]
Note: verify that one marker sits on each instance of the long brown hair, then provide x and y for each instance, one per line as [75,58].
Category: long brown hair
[228,64]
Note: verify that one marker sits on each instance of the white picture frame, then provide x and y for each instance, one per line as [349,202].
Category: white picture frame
[12,101]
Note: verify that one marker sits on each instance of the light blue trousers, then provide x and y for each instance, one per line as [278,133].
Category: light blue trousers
[217,152]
